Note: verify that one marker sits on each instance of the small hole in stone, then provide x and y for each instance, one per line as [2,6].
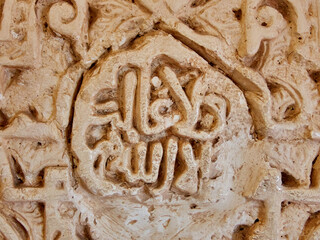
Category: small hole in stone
[240,232]
[60,185]
[237,14]
[315,76]
[193,206]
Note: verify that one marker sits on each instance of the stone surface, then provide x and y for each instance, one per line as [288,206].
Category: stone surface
[162,119]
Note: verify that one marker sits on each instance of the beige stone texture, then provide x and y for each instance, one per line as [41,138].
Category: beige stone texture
[159,119]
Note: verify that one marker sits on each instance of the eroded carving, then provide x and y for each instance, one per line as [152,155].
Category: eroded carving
[159,139]
[54,216]
[260,22]
[30,147]
[71,21]
[278,190]
[133,120]
[215,46]
[19,34]
[21,220]
[120,17]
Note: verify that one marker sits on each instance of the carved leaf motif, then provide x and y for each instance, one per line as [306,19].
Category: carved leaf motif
[114,15]
[260,22]
[295,158]
[204,20]
[22,220]
[30,147]
[284,105]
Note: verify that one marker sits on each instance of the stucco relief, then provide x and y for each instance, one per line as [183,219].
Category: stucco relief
[159,119]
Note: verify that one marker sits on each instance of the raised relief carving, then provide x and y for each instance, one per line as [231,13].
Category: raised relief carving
[111,24]
[122,18]
[283,188]
[305,37]
[19,34]
[68,20]
[276,195]
[71,21]
[21,220]
[259,22]
[202,18]
[50,208]
[216,46]
[5,80]
[30,147]
[180,119]
[136,107]
[286,103]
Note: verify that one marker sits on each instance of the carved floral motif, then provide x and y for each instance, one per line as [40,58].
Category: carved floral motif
[205,126]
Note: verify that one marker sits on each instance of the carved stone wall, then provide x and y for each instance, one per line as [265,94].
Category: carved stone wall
[162,119]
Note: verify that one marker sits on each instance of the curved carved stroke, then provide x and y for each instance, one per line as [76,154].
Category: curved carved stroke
[68,20]
[71,21]
[14,225]
[130,110]
[259,23]
[286,102]
[30,146]
[252,83]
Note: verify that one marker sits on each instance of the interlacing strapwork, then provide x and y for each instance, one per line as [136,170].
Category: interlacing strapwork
[175,119]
